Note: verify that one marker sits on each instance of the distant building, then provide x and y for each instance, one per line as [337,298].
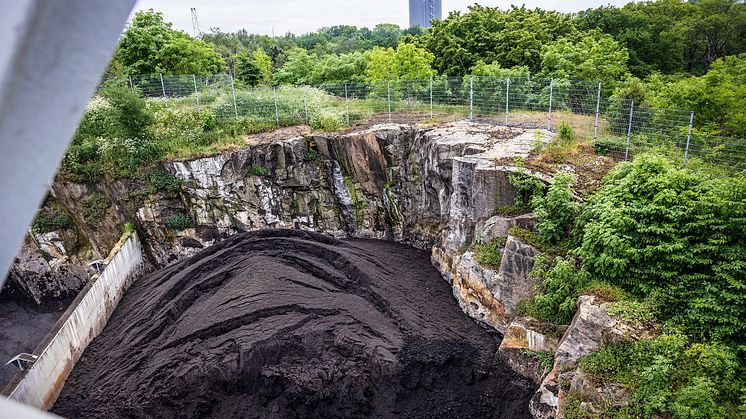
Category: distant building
[421,11]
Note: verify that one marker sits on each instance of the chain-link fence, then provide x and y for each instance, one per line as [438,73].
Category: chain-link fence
[618,128]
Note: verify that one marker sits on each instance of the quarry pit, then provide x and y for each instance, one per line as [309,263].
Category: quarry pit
[283,323]
[338,281]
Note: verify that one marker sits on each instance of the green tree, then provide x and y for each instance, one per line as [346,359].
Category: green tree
[246,70]
[150,45]
[412,63]
[510,38]
[340,68]
[594,56]
[264,63]
[298,68]
[718,98]
[380,64]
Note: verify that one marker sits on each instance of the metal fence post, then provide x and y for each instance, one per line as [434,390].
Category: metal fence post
[688,138]
[347,106]
[196,92]
[507,100]
[598,107]
[471,97]
[431,97]
[629,129]
[388,93]
[305,106]
[277,112]
[549,123]
[233,91]
[163,87]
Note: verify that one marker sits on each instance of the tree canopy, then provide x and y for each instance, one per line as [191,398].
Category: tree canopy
[150,45]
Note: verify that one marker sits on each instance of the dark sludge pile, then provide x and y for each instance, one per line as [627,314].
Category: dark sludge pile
[284,323]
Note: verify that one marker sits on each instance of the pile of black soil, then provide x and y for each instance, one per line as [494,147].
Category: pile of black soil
[283,323]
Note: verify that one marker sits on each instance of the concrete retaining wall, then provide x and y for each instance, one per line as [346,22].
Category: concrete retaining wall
[40,385]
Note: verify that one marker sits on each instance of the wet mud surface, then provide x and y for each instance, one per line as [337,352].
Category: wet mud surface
[283,323]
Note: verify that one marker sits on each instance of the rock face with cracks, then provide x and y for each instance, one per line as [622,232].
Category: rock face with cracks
[280,323]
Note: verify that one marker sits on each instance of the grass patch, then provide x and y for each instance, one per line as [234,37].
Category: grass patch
[490,254]
[532,238]
[179,222]
[257,170]
[48,220]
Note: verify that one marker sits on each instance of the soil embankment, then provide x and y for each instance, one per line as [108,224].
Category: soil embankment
[283,323]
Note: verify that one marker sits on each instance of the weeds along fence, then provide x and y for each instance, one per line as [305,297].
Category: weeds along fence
[619,128]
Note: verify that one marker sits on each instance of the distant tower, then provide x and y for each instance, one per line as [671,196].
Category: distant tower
[195,24]
[422,11]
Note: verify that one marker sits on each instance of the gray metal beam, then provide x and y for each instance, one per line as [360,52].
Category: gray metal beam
[53,56]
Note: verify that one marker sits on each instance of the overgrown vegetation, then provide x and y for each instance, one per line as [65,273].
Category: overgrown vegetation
[665,245]
[95,206]
[670,375]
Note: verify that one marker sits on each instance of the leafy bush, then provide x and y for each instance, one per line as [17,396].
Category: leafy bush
[565,132]
[605,145]
[636,312]
[256,170]
[179,222]
[490,254]
[669,375]
[113,138]
[675,234]
[311,155]
[327,120]
[556,210]
[166,182]
[49,220]
[526,185]
[559,284]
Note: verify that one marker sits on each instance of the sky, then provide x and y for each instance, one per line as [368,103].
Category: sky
[302,16]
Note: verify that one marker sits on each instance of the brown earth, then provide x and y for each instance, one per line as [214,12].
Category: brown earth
[283,323]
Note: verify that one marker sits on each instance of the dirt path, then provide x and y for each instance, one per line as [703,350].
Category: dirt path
[282,323]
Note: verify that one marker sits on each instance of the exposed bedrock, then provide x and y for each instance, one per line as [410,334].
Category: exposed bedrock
[423,187]
[285,323]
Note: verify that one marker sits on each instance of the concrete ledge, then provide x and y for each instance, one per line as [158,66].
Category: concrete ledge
[40,385]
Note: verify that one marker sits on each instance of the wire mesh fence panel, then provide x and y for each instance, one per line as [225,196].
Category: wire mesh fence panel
[728,153]
[618,128]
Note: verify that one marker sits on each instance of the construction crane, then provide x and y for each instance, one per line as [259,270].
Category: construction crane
[195,24]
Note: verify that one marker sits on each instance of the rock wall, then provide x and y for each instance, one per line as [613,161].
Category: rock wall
[423,187]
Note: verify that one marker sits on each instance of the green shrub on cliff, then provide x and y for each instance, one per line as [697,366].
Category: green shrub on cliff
[669,375]
[556,210]
[676,235]
[490,254]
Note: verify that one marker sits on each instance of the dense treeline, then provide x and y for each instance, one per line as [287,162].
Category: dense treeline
[664,53]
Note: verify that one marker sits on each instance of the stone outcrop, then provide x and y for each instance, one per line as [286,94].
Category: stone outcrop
[529,344]
[590,328]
